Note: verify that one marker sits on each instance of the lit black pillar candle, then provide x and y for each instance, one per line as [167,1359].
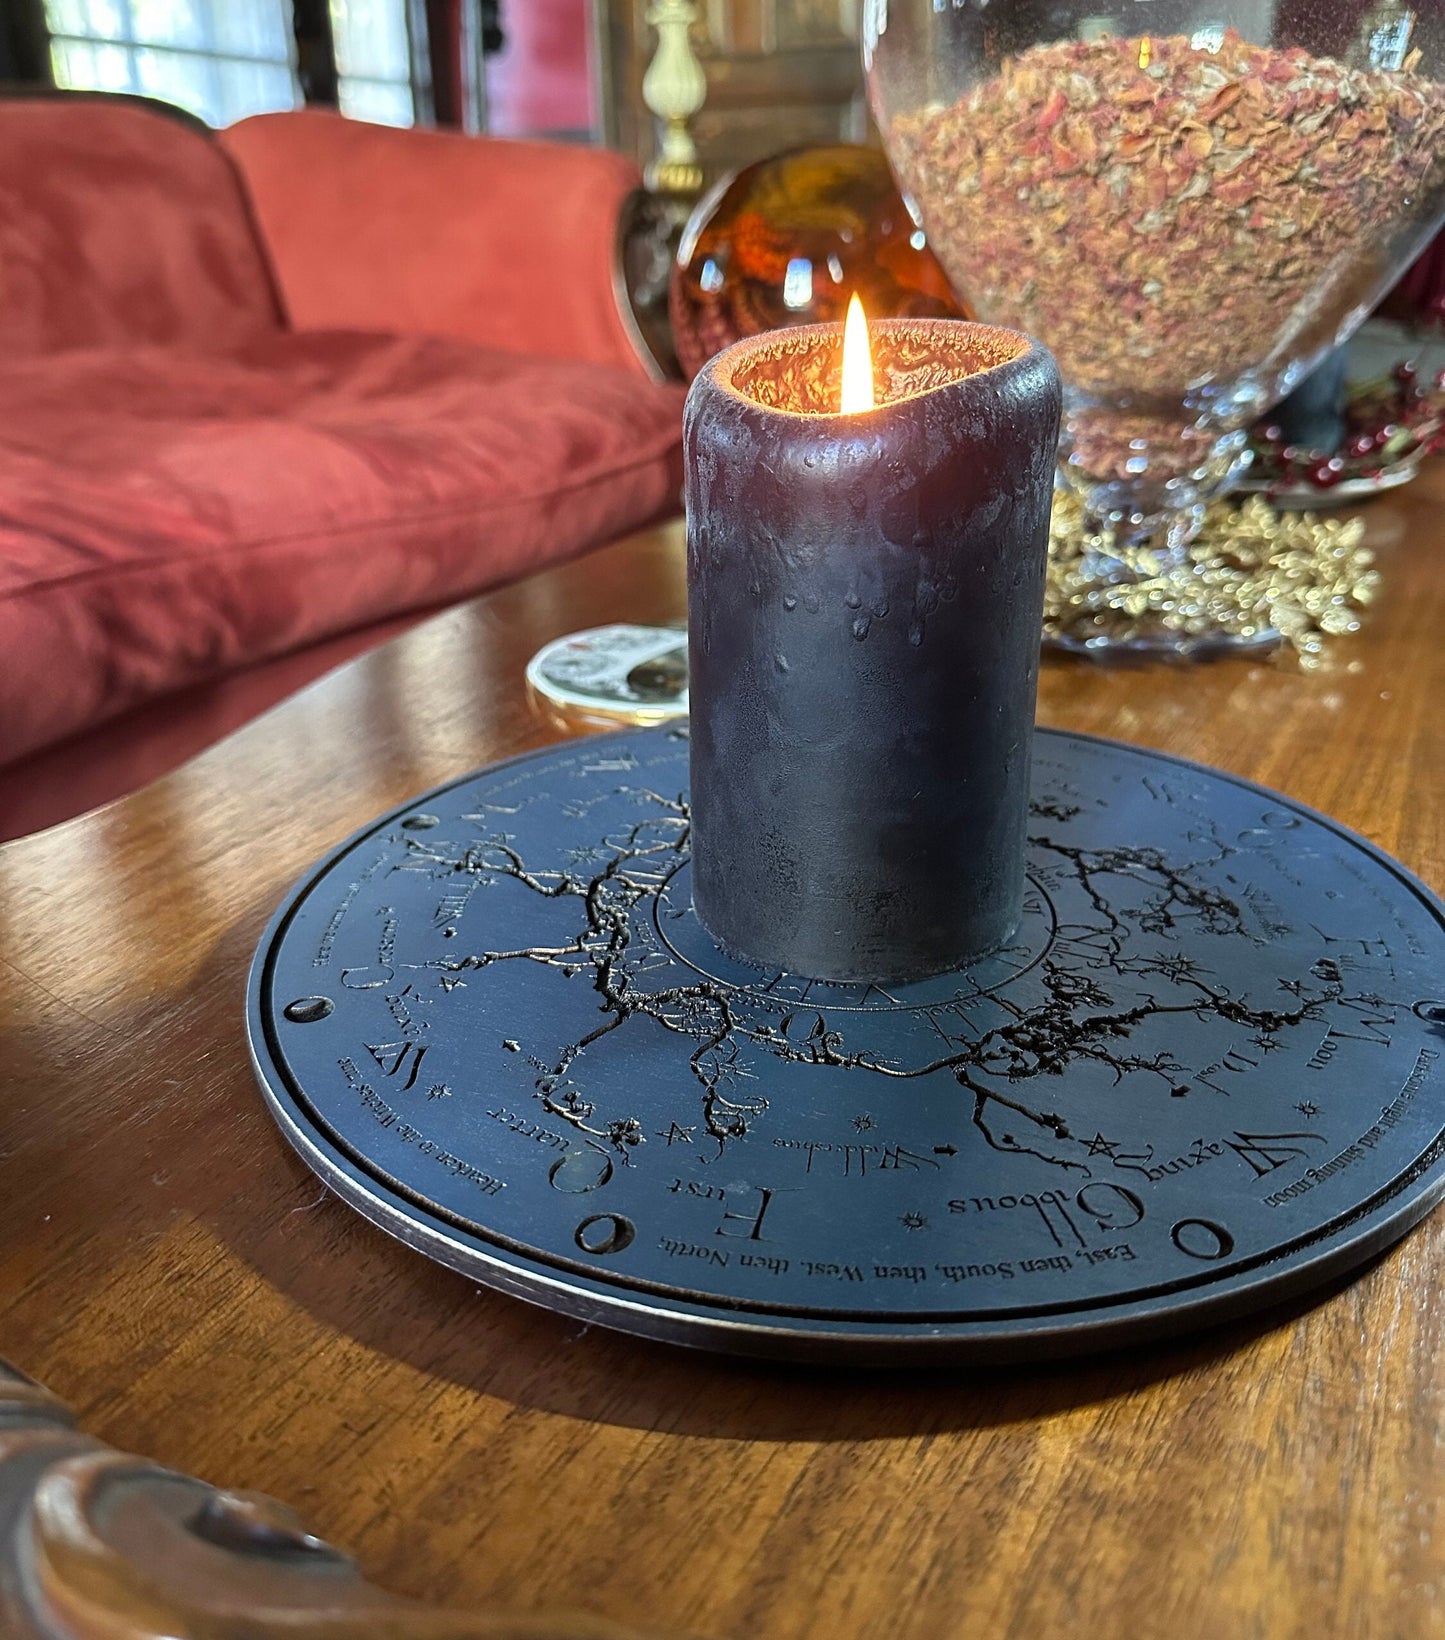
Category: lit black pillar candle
[865,589]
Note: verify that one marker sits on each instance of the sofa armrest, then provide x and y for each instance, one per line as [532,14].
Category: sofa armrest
[510,244]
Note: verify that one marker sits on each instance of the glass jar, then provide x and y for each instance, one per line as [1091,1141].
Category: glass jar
[1191,202]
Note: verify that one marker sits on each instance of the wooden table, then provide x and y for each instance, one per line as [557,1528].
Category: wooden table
[173,1271]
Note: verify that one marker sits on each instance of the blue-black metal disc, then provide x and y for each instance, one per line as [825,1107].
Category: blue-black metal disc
[1208,1074]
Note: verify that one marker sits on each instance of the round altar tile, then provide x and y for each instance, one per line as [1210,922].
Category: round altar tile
[1209,1072]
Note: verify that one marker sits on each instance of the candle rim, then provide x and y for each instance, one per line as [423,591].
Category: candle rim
[724,367]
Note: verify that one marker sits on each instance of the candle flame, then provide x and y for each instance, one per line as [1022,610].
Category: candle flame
[857,361]
[1146,52]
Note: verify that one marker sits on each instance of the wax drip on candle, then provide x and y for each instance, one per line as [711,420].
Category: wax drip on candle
[857,361]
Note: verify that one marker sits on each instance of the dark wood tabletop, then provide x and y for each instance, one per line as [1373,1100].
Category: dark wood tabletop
[172,1270]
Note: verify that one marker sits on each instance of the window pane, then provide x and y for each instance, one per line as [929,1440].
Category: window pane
[168,23]
[67,16]
[247,28]
[82,66]
[95,18]
[373,100]
[183,80]
[259,29]
[70,63]
[105,19]
[220,89]
[251,88]
[371,39]
[184,55]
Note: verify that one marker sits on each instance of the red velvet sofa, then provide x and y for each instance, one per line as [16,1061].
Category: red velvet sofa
[263,394]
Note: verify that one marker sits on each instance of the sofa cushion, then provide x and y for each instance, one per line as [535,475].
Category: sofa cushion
[509,244]
[166,517]
[119,225]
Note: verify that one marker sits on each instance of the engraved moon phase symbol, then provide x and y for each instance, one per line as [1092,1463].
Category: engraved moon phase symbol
[685,937]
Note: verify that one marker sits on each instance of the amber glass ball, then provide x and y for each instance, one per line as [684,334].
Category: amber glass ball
[787,241]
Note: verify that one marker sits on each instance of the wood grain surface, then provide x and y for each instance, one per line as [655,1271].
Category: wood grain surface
[172,1270]
[95,1545]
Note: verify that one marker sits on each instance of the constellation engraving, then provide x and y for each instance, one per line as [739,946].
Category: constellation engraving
[1215,1035]
[1090,1009]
